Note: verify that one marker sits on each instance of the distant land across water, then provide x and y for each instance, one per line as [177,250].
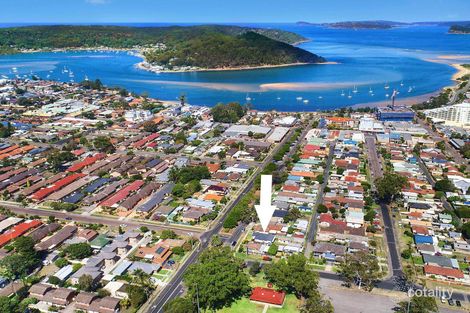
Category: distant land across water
[415,60]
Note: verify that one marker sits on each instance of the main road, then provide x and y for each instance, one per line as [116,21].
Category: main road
[93,219]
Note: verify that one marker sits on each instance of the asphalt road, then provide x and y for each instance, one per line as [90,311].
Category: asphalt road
[312,230]
[19,209]
[375,166]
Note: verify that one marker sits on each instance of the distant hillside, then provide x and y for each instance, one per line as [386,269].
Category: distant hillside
[211,46]
[459,29]
[382,24]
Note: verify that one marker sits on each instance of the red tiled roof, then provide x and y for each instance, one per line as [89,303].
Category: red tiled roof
[122,194]
[443,271]
[42,193]
[86,162]
[17,231]
[267,295]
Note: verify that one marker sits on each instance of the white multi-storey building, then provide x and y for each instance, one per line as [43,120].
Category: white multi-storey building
[456,115]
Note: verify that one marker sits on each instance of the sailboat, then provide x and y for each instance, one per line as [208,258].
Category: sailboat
[401,84]
[387,95]
[355,89]
[299,98]
[349,95]
[370,90]
[306,101]
[278,98]
[248,98]
[386,86]
[342,93]
[320,97]
[410,89]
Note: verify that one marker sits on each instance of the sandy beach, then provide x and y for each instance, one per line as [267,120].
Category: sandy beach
[403,102]
[148,67]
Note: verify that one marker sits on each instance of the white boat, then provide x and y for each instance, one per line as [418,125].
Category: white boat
[320,97]
[86,78]
[401,84]
[248,98]
[278,98]
[386,86]
[355,89]
[410,89]
[349,95]
[299,98]
[370,90]
[342,93]
[387,95]
[5,76]
[306,101]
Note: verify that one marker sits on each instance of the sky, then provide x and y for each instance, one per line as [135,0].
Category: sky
[229,11]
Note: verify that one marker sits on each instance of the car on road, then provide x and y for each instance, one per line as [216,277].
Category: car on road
[458,303]
[234,243]
[451,302]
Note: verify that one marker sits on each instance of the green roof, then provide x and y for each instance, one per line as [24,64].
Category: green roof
[100,241]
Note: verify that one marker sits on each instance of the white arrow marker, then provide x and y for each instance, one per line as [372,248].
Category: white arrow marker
[265,210]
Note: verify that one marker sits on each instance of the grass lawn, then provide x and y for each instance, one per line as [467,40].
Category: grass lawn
[418,260]
[290,306]
[164,272]
[243,306]
[318,267]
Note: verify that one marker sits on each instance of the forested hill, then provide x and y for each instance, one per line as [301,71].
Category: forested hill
[460,29]
[211,46]
[65,36]
[224,51]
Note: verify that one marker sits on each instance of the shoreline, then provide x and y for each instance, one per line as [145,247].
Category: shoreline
[154,69]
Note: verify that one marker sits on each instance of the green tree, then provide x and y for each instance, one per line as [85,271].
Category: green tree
[361,267]
[103,144]
[418,305]
[56,158]
[8,305]
[255,268]
[85,283]
[228,113]
[217,279]
[168,234]
[293,275]
[390,185]
[444,185]
[79,251]
[150,126]
[316,304]
[137,295]
[180,305]
[273,248]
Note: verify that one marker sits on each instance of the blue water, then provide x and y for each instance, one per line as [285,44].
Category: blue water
[368,60]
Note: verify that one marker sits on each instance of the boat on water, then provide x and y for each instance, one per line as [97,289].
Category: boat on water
[248,98]
[370,90]
[299,98]
[401,84]
[5,76]
[410,89]
[306,101]
[386,86]
[278,98]
[355,89]
[342,93]
[320,97]
[387,95]
[349,95]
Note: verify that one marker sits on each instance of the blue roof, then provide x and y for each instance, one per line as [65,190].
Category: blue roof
[37,150]
[423,239]
[153,163]
[156,198]
[295,178]
[74,198]
[96,184]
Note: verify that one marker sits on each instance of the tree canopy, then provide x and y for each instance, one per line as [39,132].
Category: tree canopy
[293,275]
[390,185]
[228,113]
[361,268]
[418,305]
[218,279]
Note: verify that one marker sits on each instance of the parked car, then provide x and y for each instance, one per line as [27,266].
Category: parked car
[458,303]
[451,302]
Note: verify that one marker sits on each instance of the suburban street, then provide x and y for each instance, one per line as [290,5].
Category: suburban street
[376,169]
[312,229]
[174,287]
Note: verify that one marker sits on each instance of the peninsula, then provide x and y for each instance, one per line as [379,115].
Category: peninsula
[177,48]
